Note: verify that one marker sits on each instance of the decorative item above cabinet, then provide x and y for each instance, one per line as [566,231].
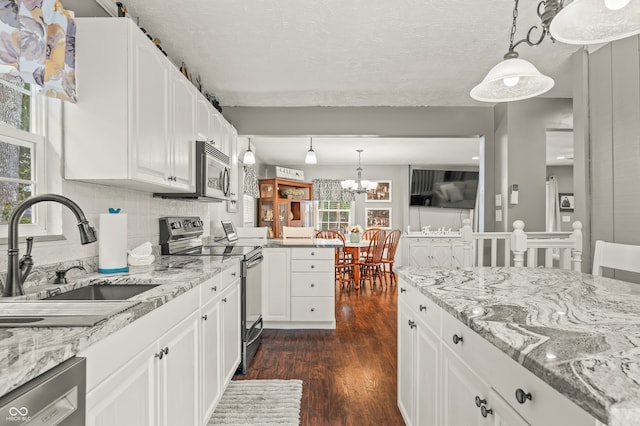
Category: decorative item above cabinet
[136,113]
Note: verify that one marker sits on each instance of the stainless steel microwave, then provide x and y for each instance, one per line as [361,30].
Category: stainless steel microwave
[213,174]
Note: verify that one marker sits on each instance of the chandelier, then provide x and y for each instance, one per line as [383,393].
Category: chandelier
[358,186]
[577,22]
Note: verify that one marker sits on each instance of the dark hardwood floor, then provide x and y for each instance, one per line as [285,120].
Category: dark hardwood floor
[348,374]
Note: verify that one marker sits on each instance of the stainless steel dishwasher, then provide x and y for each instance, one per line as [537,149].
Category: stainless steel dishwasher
[56,397]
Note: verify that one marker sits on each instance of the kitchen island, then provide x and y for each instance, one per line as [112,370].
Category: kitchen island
[559,347]
[121,349]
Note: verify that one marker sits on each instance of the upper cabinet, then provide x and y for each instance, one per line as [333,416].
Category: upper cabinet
[136,113]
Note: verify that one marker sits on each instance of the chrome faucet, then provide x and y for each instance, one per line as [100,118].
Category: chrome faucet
[18,270]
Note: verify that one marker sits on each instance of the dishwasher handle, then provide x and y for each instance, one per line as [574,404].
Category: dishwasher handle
[254,261]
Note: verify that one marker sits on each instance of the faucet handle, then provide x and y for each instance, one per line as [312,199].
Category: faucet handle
[29,246]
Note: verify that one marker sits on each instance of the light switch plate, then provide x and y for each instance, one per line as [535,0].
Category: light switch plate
[498,215]
[566,218]
[498,200]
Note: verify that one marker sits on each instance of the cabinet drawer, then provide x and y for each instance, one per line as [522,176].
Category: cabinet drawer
[546,406]
[312,284]
[313,265]
[426,310]
[312,309]
[229,275]
[210,289]
[313,253]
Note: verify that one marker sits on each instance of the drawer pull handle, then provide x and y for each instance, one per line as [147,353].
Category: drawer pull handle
[423,308]
[204,317]
[412,324]
[224,299]
[166,350]
[522,396]
[313,309]
[457,339]
[479,401]
[485,411]
[313,266]
[233,274]
[159,355]
[313,253]
[214,288]
[313,285]
[403,290]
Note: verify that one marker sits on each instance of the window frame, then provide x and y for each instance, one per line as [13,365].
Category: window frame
[318,222]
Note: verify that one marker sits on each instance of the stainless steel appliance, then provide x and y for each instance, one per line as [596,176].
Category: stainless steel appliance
[56,397]
[212,175]
[183,236]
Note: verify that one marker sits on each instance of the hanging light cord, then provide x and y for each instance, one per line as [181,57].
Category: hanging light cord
[547,10]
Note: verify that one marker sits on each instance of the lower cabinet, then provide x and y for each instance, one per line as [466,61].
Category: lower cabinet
[171,366]
[431,252]
[449,375]
[276,284]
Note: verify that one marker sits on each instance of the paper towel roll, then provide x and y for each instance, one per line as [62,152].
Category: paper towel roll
[112,243]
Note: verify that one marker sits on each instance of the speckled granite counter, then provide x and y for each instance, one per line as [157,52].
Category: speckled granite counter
[28,352]
[578,333]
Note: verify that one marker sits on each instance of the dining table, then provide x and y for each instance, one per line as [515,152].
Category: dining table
[355,250]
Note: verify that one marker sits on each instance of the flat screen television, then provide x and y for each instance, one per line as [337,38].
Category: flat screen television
[455,189]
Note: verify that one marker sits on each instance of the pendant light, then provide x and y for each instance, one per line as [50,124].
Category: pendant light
[514,79]
[596,21]
[360,186]
[249,157]
[311,158]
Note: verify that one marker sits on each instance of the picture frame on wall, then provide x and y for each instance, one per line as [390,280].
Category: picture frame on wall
[378,218]
[566,202]
[381,194]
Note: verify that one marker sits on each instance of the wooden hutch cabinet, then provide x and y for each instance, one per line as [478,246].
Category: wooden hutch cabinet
[284,202]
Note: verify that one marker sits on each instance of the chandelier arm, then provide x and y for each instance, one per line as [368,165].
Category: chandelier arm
[528,40]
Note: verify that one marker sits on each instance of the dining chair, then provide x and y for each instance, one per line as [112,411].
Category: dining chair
[623,257]
[389,252]
[371,261]
[343,265]
[368,232]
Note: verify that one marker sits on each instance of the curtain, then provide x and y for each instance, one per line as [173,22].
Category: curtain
[331,190]
[250,186]
[553,208]
[37,46]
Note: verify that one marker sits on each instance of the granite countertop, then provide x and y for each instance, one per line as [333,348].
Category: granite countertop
[578,333]
[27,352]
[303,242]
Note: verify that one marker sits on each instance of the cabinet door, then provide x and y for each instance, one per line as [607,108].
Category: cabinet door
[406,363]
[184,132]
[235,172]
[215,123]
[178,401]
[460,388]
[276,267]
[427,377]
[306,213]
[230,313]
[128,396]
[284,217]
[419,253]
[457,255]
[150,142]
[211,377]
[441,254]
[203,122]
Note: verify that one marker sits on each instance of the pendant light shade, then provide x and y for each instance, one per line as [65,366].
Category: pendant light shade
[311,158]
[596,21]
[511,80]
[249,157]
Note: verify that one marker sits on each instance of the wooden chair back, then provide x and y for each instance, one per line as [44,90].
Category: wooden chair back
[623,257]
[331,235]
[376,246]
[391,244]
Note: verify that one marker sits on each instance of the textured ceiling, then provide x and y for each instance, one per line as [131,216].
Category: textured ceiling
[344,52]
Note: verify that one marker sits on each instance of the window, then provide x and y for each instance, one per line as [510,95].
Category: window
[248,210]
[22,156]
[333,215]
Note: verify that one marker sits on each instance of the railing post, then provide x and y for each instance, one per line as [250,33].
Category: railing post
[518,243]
[576,252]
[467,244]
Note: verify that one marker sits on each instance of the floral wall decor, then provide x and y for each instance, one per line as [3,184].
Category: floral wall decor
[37,46]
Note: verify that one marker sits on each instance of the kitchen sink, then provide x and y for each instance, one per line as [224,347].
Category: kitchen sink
[66,313]
[103,292]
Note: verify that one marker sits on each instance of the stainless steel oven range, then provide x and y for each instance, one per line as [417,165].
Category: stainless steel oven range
[183,236]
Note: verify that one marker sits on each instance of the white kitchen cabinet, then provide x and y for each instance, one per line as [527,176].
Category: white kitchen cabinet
[276,284]
[234,186]
[211,355]
[135,112]
[230,328]
[439,376]
[428,252]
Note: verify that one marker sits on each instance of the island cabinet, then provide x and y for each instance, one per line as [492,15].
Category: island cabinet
[433,252]
[298,287]
[449,375]
[171,366]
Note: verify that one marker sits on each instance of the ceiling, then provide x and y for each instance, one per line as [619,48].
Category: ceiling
[291,151]
[344,52]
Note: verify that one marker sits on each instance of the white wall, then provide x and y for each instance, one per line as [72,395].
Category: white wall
[565,185]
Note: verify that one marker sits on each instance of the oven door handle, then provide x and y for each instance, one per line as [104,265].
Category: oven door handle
[254,261]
